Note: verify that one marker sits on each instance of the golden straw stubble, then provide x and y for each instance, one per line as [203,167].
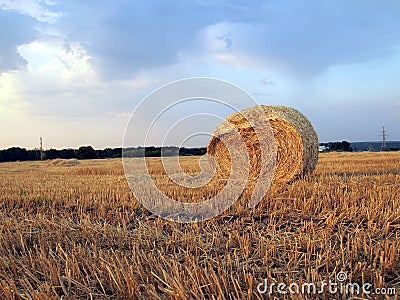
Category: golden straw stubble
[295,139]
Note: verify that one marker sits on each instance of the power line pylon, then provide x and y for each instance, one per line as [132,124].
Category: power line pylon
[383,134]
[41,149]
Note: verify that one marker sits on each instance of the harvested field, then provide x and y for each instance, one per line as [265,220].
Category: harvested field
[77,233]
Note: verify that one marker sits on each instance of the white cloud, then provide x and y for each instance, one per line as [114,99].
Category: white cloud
[52,56]
[33,8]
[10,102]
[60,80]
[244,51]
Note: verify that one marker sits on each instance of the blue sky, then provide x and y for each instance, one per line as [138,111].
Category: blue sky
[73,71]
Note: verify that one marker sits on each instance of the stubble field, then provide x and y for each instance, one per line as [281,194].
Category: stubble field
[75,231]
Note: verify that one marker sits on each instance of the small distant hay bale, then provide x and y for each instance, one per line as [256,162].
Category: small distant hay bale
[296,142]
[55,162]
[64,162]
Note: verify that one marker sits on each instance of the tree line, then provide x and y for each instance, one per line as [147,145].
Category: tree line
[87,152]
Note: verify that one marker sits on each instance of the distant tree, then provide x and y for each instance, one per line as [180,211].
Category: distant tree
[152,151]
[86,152]
[117,152]
[67,153]
[337,146]
[17,153]
[105,153]
[345,146]
[192,151]
[51,154]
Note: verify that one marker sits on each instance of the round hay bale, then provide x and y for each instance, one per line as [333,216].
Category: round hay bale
[70,162]
[55,162]
[64,162]
[295,139]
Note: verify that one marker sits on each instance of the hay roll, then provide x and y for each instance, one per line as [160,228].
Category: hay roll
[295,139]
[64,162]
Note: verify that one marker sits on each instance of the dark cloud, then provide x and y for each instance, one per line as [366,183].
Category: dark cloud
[310,36]
[15,30]
[124,37]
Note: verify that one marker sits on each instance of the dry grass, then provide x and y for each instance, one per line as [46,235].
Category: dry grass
[77,233]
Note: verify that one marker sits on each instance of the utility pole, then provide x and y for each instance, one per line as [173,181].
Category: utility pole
[383,148]
[41,149]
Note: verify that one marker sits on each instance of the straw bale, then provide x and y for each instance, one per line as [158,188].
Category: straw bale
[295,142]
